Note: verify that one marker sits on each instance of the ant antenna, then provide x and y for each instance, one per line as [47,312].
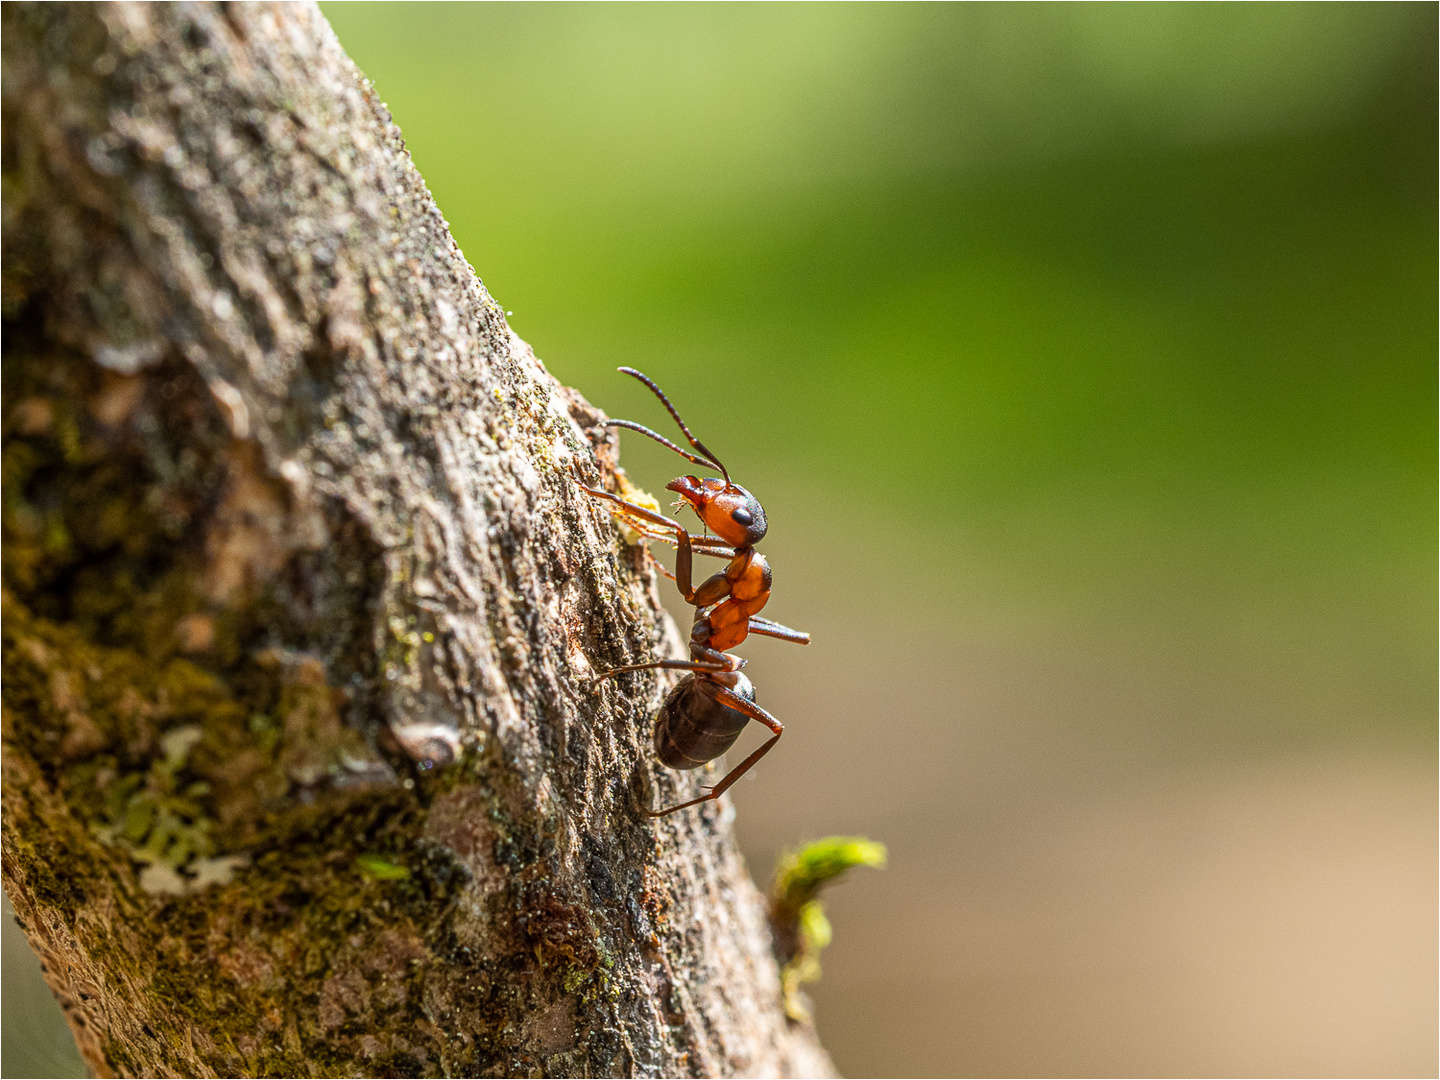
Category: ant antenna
[696,443]
[706,462]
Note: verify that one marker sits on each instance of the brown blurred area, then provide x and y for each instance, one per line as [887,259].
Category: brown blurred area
[1048,915]
[1075,887]
[1275,921]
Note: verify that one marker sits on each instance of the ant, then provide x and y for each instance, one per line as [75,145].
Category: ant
[706,711]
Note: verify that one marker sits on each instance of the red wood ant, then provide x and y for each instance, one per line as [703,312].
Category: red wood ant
[706,711]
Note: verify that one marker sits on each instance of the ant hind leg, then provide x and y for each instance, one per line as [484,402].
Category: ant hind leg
[728,697]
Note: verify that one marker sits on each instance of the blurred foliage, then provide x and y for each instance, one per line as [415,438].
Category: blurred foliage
[800,874]
[797,917]
[1131,306]
[1018,244]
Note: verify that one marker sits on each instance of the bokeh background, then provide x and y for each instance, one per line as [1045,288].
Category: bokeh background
[1084,358]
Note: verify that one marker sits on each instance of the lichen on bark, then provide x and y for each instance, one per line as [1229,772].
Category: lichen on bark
[303,773]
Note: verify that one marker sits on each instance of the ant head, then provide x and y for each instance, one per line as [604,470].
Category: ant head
[728,510]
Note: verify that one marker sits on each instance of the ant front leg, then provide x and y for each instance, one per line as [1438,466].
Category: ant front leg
[640,512]
[683,558]
[728,697]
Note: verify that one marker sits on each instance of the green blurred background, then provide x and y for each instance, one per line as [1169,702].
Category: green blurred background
[1084,358]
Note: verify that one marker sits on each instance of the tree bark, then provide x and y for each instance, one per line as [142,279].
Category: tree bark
[302,771]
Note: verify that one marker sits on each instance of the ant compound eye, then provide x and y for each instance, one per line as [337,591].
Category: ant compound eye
[742,517]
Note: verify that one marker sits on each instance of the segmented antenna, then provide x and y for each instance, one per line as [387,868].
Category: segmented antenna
[712,461]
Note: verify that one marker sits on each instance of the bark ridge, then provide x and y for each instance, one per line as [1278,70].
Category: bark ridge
[302,773]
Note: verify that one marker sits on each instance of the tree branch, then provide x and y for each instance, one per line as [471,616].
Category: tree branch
[302,772]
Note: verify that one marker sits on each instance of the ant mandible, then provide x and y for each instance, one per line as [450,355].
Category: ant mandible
[706,711]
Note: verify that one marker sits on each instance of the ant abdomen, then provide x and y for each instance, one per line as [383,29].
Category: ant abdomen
[693,727]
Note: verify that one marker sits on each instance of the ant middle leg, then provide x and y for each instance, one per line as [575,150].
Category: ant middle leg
[776,630]
[700,545]
[670,665]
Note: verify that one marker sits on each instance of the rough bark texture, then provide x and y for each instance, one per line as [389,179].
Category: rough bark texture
[301,771]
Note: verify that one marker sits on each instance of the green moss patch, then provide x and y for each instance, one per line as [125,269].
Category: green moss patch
[797,916]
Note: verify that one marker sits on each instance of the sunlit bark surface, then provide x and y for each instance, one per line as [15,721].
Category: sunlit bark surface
[302,772]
